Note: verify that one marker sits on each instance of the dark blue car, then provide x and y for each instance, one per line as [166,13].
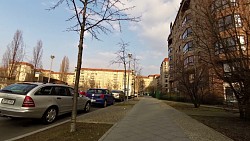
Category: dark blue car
[100,96]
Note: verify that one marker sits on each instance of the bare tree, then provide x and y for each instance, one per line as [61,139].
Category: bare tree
[135,71]
[95,17]
[109,84]
[64,68]
[92,83]
[224,37]
[37,57]
[115,86]
[122,58]
[14,54]
[193,82]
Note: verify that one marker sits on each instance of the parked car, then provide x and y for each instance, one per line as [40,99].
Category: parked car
[82,93]
[100,96]
[118,95]
[39,100]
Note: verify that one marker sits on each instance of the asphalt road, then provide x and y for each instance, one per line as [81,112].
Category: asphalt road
[10,128]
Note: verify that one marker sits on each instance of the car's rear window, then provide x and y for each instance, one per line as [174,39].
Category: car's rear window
[22,89]
[96,91]
[116,91]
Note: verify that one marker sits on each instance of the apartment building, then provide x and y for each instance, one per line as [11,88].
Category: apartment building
[104,78]
[232,44]
[164,69]
[24,71]
[196,54]
[89,78]
[208,45]
[147,84]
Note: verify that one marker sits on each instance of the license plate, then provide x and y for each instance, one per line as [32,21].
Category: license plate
[93,100]
[8,101]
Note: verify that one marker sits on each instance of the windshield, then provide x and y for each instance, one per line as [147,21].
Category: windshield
[22,89]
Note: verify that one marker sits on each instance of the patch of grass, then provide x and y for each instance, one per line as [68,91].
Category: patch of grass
[225,122]
[85,132]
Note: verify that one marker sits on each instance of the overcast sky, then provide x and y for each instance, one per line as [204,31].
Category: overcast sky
[147,39]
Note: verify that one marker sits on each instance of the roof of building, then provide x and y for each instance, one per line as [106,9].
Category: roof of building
[165,60]
[154,75]
[109,70]
[25,63]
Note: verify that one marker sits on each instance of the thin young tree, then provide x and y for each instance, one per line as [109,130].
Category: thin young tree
[136,70]
[94,17]
[64,68]
[122,59]
[37,57]
[13,54]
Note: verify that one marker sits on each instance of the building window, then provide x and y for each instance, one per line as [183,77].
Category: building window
[229,21]
[230,44]
[189,61]
[223,4]
[191,78]
[171,67]
[186,19]
[187,33]
[237,19]
[228,68]
[170,58]
[170,50]
[187,47]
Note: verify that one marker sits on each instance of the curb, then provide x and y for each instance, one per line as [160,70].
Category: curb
[104,136]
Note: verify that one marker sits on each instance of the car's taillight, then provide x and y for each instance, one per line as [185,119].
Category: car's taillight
[28,102]
[102,96]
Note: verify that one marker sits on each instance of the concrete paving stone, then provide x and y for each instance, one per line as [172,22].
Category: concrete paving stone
[152,120]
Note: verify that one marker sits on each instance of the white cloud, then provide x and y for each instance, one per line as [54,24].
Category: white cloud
[156,16]
[101,60]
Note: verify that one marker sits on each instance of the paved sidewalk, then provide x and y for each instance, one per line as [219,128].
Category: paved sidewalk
[152,120]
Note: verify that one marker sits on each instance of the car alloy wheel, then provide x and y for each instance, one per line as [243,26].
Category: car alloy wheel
[87,107]
[50,115]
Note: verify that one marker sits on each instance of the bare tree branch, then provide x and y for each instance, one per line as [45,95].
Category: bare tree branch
[37,57]
[14,54]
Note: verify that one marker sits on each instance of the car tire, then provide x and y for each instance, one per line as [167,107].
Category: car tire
[105,104]
[87,107]
[113,102]
[50,115]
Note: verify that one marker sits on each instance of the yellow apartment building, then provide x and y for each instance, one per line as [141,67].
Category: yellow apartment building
[164,73]
[103,78]
[90,78]
[24,71]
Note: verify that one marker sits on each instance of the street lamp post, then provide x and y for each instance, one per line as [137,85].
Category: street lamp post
[52,57]
[129,57]
[134,77]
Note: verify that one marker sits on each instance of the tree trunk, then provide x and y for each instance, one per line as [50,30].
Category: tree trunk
[241,111]
[78,69]
[247,110]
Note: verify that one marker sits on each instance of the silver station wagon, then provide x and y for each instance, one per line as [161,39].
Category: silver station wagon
[39,100]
